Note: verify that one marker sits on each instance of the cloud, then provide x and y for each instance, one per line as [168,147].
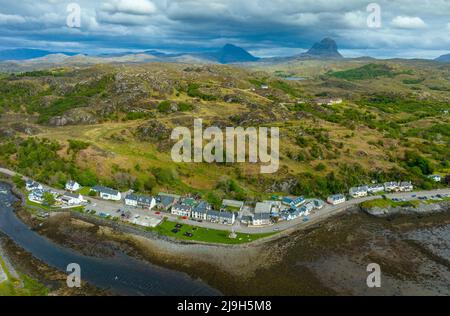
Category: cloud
[406,22]
[133,7]
[266,27]
[9,19]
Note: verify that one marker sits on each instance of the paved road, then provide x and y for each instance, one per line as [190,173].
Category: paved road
[111,207]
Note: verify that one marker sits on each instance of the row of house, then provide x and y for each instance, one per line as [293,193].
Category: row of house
[203,211]
[361,191]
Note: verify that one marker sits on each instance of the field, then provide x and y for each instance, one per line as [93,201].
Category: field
[204,234]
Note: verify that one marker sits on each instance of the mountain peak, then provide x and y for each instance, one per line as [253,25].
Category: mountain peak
[231,53]
[326,48]
[444,58]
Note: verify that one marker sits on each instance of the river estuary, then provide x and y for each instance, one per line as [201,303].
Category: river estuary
[120,274]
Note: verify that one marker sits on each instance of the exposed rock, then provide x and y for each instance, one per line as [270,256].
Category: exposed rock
[283,186]
[75,116]
[420,209]
[25,128]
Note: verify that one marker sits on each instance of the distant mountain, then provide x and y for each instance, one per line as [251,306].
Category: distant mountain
[444,58]
[229,54]
[27,53]
[326,48]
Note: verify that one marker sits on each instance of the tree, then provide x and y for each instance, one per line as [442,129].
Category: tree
[18,181]
[49,199]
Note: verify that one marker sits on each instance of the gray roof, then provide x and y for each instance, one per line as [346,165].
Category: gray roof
[166,200]
[262,207]
[143,199]
[261,216]
[106,190]
[182,207]
[72,195]
[202,207]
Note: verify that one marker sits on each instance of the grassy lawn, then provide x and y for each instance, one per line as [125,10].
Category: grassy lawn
[205,234]
[12,287]
[41,206]
[84,191]
[385,203]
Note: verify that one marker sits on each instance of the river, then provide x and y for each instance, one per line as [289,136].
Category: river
[121,274]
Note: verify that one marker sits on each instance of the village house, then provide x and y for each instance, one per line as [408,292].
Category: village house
[221,217]
[31,185]
[336,199]
[200,211]
[181,210]
[106,193]
[318,203]
[232,205]
[391,186]
[435,177]
[72,186]
[72,199]
[375,188]
[36,196]
[406,186]
[165,201]
[293,201]
[246,219]
[261,219]
[140,201]
[357,192]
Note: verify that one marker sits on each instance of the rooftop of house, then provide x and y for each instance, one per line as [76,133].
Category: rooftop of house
[106,190]
[262,207]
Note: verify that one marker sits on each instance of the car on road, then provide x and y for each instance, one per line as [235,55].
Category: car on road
[306,219]
[276,229]
[137,216]
[423,198]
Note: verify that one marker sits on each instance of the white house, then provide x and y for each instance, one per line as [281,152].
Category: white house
[36,196]
[261,219]
[336,199]
[357,192]
[72,199]
[31,185]
[200,212]
[406,186]
[107,193]
[391,186]
[435,177]
[72,186]
[181,210]
[140,201]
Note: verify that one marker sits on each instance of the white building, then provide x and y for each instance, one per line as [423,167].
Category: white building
[435,177]
[357,192]
[31,185]
[71,199]
[391,186]
[406,186]
[261,219]
[107,193]
[72,186]
[181,210]
[140,201]
[336,199]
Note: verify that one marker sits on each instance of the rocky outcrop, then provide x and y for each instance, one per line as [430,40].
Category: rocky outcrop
[78,116]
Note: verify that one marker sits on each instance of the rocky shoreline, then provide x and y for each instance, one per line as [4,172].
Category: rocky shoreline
[421,209]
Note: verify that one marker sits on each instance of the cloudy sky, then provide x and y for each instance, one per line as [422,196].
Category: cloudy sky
[409,28]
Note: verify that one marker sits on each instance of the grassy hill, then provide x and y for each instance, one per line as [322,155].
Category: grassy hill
[393,121]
